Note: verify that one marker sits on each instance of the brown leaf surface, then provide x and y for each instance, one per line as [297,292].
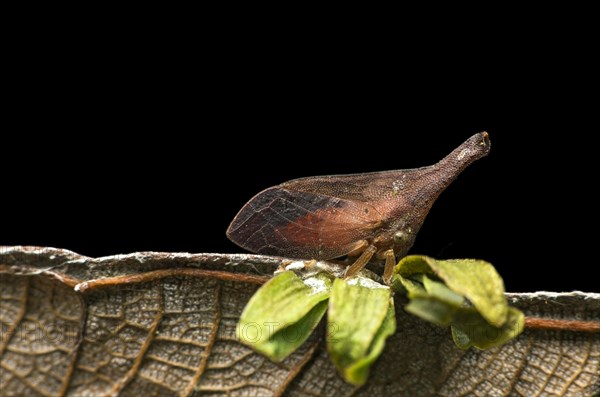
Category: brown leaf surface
[164,324]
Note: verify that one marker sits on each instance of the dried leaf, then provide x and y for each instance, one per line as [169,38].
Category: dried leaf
[164,324]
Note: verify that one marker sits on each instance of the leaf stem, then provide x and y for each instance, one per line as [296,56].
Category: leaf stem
[158,274]
[562,325]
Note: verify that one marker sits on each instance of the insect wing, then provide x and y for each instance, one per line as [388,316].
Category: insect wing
[292,223]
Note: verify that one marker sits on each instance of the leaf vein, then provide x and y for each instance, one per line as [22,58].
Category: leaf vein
[133,371]
[211,342]
[5,340]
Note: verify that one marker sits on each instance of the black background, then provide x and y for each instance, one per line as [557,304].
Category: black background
[160,154]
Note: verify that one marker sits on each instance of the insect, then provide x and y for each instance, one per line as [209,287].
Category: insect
[364,216]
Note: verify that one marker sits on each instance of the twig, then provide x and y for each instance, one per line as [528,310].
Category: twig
[562,325]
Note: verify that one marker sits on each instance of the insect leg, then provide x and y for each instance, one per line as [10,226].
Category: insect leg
[359,249]
[390,262]
[361,262]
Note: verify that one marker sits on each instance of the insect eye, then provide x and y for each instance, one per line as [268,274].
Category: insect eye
[399,237]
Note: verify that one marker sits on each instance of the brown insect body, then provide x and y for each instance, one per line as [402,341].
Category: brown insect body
[330,216]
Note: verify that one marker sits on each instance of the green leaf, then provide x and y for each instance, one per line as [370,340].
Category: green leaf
[432,310]
[414,264]
[359,371]
[432,301]
[440,291]
[412,285]
[476,280]
[283,313]
[359,321]
[471,329]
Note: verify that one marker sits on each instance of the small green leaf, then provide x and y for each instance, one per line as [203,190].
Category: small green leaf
[357,310]
[432,301]
[479,282]
[476,280]
[412,285]
[282,314]
[414,264]
[438,290]
[471,329]
[359,371]
[432,310]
